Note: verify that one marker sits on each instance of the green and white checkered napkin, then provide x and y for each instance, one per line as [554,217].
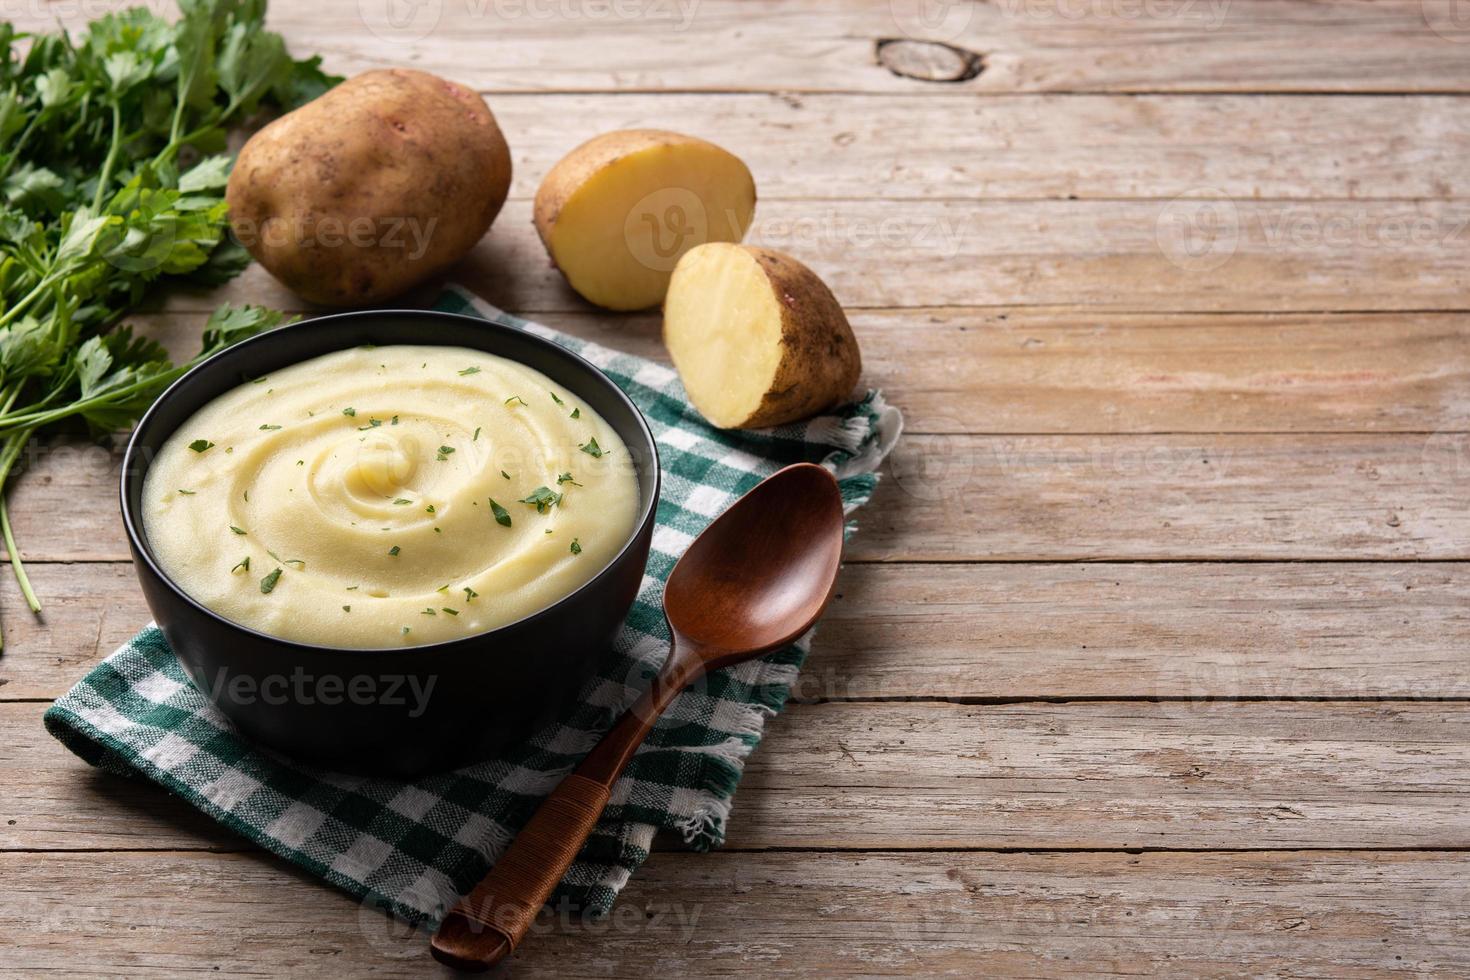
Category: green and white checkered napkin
[414,847]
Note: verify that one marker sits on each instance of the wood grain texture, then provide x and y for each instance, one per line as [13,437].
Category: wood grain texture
[1107,315]
[1075,370]
[935,775]
[829,45]
[1338,497]
[946,914]
[1198,497]
[1079,630]
[942,145]
[1182,255]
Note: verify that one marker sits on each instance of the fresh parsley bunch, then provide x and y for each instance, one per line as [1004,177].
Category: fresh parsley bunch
[112,177]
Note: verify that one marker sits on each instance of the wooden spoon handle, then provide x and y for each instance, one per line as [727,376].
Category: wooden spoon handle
[488,924]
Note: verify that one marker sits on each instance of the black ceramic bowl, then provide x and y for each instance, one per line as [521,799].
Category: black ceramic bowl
[401,710]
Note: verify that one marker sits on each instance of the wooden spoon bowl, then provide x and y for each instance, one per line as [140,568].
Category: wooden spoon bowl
[755,580]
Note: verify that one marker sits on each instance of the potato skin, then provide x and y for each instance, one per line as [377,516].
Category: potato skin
[820,361]
[381,183]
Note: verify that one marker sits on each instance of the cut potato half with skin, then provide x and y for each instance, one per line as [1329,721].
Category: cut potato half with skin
[756,337]
[618,212]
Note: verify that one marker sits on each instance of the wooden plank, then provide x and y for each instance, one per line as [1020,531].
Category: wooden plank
[936,775]
[1202,497]
[1022,498]
[950,914]
[936,146]
[1182,255]
[827,45]
[1289,630]
[1044,371]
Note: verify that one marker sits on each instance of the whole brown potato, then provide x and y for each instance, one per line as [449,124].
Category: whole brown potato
[383,182]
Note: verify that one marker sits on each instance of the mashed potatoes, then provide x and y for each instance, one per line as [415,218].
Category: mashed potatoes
[389,496]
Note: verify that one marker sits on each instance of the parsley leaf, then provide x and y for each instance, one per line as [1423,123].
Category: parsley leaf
[542,498]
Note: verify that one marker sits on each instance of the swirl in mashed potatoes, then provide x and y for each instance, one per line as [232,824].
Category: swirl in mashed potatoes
[387,496]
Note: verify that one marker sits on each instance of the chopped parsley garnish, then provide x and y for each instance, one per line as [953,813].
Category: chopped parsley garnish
[352,588]
[592,449]
[285,561]
[429,612]
[444,452]
[394,420]
[468,371]
[505,474]
[443,588]
[372,424]
[236,529]
[566,478]
[187,493]
[404,500]
[555,399]
[576,547]
[242,566]
[269,428]
[452,612]
[347,609]
[405,631]
[349,412]
[502,516]
[576,413]
[515,398]
[199,445]
[427,510]
[476,436]
[393,551]
[469,594]
[269,582]
[543,499]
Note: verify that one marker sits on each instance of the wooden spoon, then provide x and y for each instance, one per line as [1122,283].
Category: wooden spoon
[754,581]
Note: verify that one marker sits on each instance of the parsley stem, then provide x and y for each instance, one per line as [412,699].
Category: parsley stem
[13,446]
[105,177]
[20,305]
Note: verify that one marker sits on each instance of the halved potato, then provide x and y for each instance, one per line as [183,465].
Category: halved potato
[618,212]
[757,338]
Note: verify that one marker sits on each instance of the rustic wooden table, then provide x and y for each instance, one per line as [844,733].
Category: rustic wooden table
[1151,652]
